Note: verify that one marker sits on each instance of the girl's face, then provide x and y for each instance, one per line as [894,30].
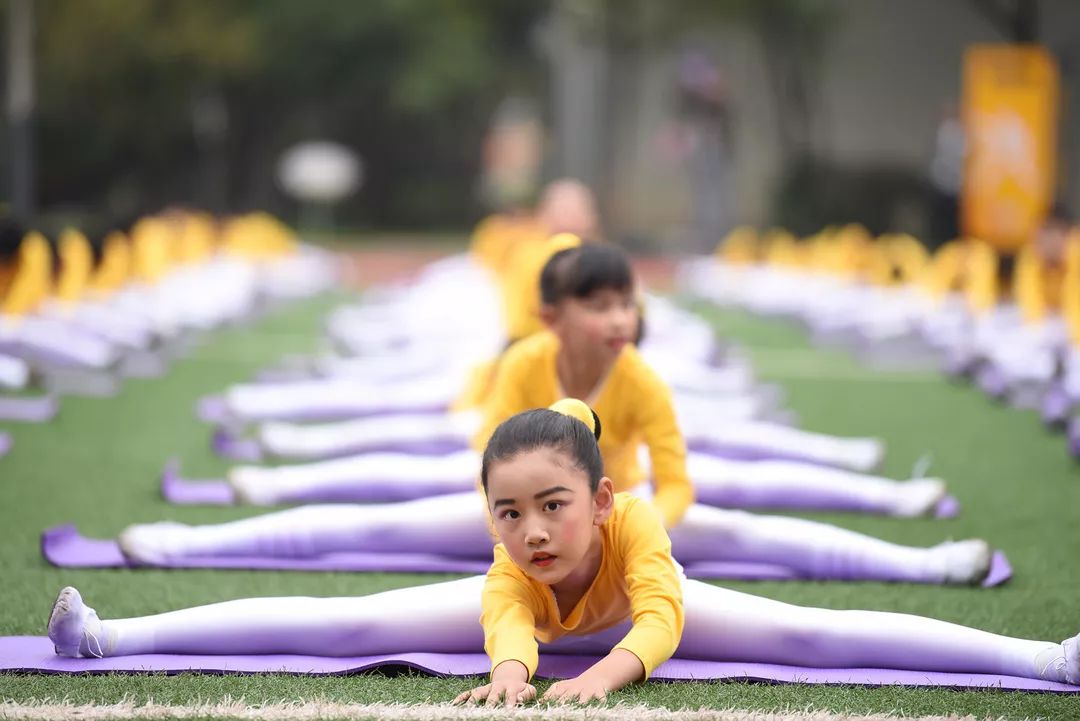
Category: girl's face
[544,513]
[602,323]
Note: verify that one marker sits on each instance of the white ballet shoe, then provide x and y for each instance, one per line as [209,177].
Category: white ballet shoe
[74,627]
[865,454]
[919,497]
[966,562]
[152,544]
[250,487]
[282,438]
[1072,659]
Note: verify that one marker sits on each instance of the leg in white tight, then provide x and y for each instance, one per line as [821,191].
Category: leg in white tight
[452,525]
[727,625]
[335,398]
[764,439]
[791,484]
[816,550]
[721,625]
[364,477]
[441,618]
[289,440]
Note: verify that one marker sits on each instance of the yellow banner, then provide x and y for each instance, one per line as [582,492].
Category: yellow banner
[1010,119]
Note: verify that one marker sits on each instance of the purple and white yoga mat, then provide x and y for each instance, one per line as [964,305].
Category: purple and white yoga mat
[64,546]
[35,654]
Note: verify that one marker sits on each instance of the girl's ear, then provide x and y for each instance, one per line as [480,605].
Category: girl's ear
[548,315]
[603,501]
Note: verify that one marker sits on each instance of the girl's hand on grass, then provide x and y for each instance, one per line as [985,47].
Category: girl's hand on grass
[583,689]
[611,673]
[507,693]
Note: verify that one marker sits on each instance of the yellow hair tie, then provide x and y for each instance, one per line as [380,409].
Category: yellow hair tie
[577,409]
[562,241]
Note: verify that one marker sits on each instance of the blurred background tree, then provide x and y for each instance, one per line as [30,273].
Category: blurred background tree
[820,111]
[142,103]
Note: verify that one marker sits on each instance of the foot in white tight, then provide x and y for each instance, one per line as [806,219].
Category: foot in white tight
[74,628]
[1072,659]
[919,497]
[153,544]
[250,487]
[866,454]
[965,562]
[1060,662]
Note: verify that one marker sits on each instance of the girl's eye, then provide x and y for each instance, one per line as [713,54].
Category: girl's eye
[552,506]
[509,515]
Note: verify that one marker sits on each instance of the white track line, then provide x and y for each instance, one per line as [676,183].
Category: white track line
[320,710]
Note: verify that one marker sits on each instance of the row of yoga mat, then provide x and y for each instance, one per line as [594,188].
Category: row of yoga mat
[64,546]
[35,654]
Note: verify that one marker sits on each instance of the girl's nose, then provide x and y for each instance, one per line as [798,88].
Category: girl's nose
[536,536]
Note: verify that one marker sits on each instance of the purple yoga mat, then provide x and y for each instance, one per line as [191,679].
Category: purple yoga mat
[216,492]
[35,653]
[1055,406]
[213,409]
[24,409]
[64,546]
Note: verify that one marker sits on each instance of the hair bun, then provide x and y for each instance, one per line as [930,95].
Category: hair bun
[581,411]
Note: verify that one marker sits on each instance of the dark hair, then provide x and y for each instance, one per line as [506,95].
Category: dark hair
[545,428]
[580,272]
[639,332]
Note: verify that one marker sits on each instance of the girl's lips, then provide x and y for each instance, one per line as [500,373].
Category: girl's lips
[543,561]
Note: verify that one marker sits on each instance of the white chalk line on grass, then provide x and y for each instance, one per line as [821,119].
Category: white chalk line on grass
[47,710]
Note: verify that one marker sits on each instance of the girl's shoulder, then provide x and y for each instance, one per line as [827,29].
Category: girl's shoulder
[537,345]
[631,519]
[634,375]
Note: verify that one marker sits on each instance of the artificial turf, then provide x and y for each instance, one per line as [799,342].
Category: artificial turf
[97,465]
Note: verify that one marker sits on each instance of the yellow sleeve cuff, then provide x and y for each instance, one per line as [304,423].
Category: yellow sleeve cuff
[652,646]
[527,655]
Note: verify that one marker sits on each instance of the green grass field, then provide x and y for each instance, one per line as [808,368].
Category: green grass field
[97,465]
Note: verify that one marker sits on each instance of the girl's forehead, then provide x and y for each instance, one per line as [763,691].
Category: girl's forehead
[536,467]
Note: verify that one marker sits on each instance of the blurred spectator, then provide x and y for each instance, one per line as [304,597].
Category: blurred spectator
[705,110]
[946,177]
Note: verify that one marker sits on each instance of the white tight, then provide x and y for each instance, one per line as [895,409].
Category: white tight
[720,625]
[764,439]
[323,440]
[720,482]
[724,425]
[338,397]
[455,525]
